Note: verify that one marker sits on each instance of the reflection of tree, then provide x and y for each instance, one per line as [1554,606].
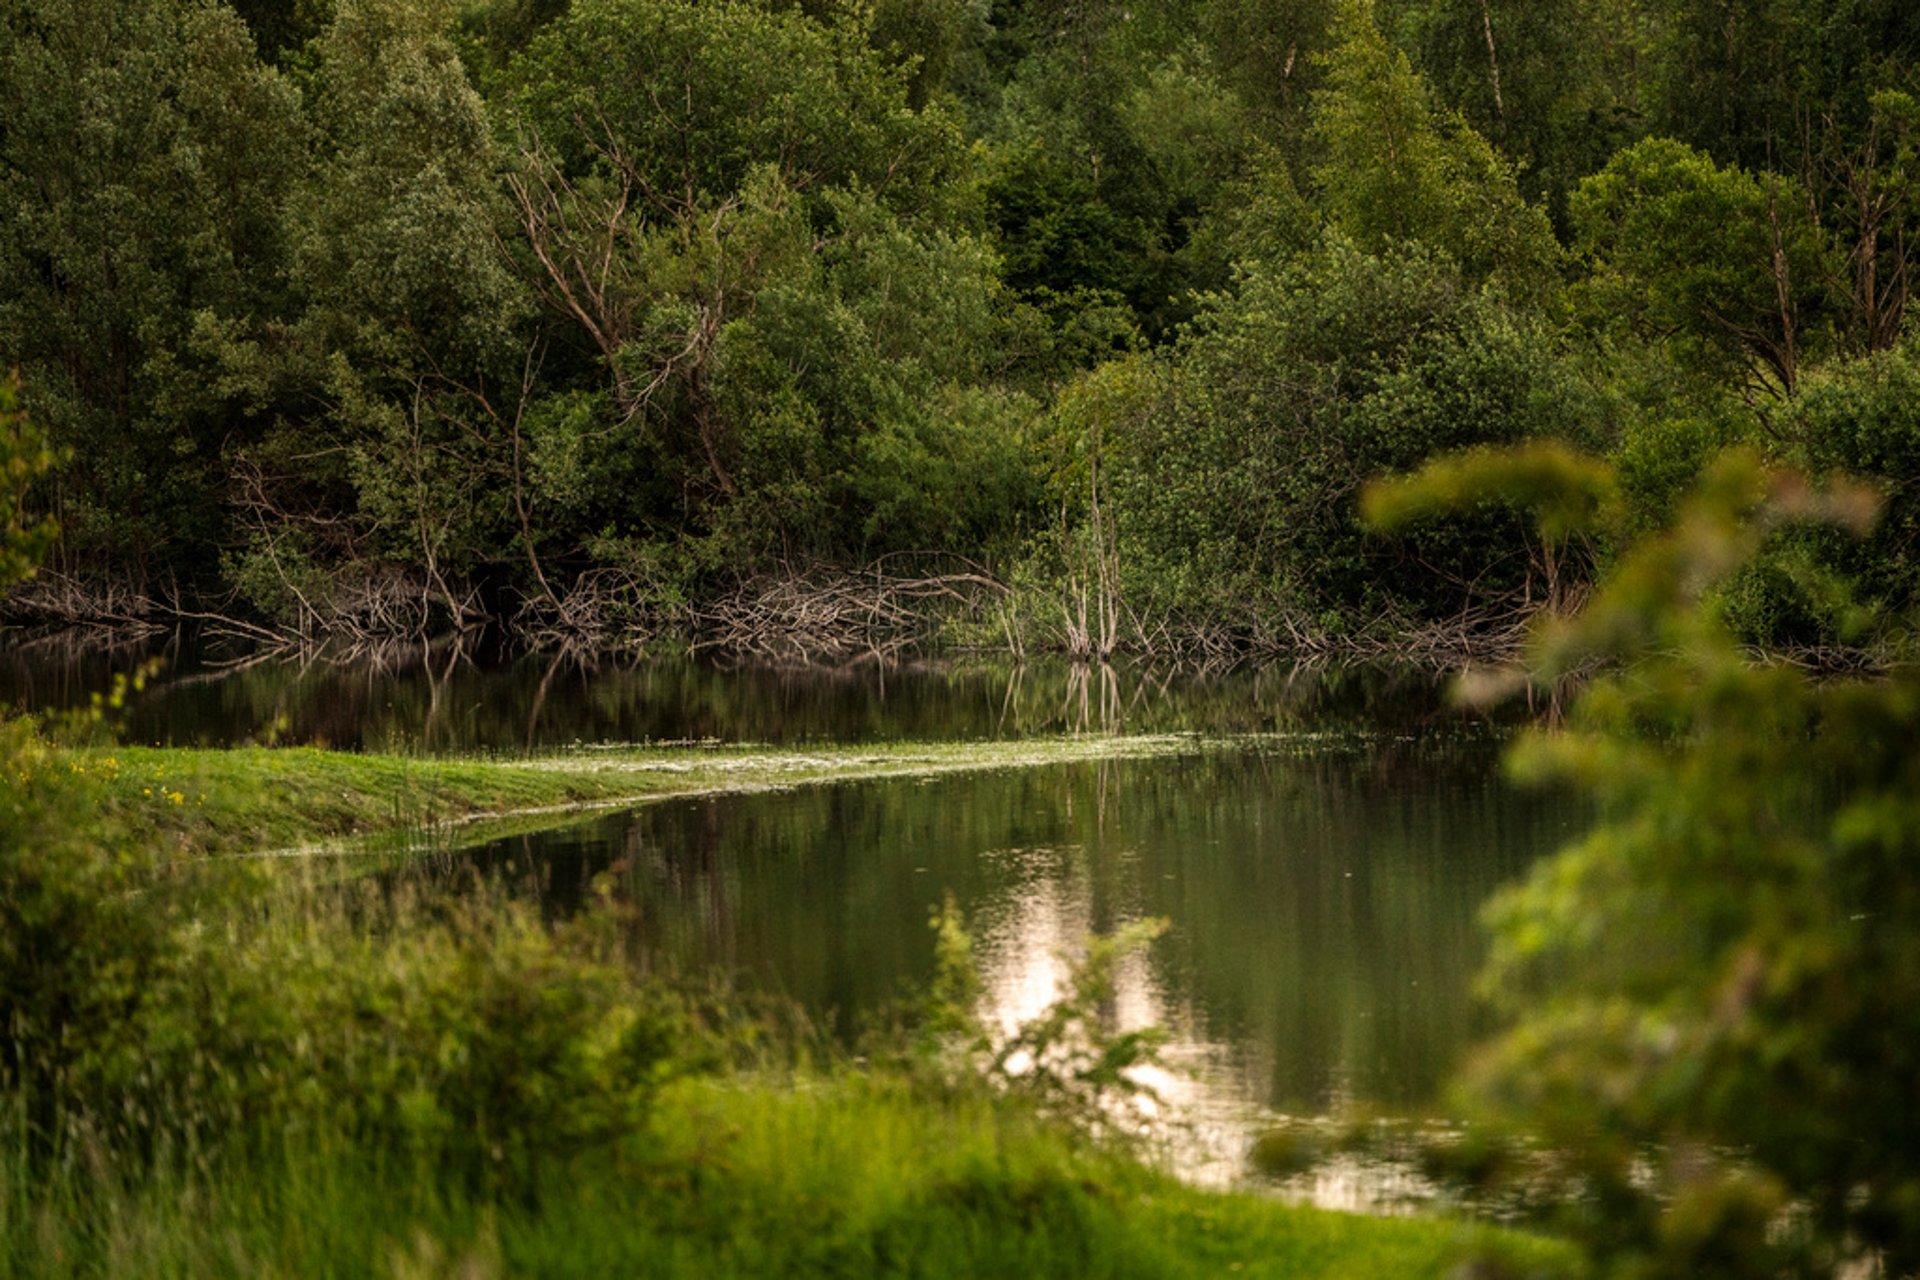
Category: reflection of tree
[376,697]
[679,876]
[431,725]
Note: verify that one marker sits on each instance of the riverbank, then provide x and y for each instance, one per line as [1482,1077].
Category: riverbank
[246,800]
[831,616]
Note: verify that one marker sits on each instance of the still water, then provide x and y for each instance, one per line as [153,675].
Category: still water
[1321,868]
[442,698]
[1321,897]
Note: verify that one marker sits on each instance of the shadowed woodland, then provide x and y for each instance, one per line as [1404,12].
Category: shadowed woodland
[849,328]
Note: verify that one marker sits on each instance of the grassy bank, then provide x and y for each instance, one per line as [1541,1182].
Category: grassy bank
[255,799]
[844,1175]
[198,1078]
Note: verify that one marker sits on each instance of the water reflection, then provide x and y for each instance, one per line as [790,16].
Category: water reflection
[1201,1102]
[1322,901]
[445,697]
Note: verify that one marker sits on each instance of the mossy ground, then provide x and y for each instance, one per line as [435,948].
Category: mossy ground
[258,799]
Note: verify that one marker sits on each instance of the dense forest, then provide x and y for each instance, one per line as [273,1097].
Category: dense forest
[391,316]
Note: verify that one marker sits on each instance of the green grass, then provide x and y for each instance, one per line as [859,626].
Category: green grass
[843,1175]
[256,799]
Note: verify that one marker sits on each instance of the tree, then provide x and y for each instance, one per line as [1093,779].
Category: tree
[1112,142]
[1857,418]
[1865,195]
[147,153]
[1392,168]
[282,28]
[1725,269]
[1555,84]
[1272,53]
[1742,79]
[1233,488]
[1711,997]
[407,341]
[737,214]
[24,457]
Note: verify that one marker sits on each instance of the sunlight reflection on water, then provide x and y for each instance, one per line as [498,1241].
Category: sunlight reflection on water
[1199,1113]
[1322,900]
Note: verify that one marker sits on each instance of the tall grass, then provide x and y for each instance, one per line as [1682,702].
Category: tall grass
[838,1174]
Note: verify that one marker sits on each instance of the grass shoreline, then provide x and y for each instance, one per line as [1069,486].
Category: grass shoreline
[289,801]
[428,1026]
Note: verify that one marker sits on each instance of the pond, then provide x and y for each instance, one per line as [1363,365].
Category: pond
[1321,867]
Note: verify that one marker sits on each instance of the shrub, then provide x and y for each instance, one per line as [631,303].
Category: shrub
[1234,471]
[1714,996]
[150,1006]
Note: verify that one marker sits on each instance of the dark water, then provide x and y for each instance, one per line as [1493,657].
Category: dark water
[1322,902]
[1322,882]
[444,698]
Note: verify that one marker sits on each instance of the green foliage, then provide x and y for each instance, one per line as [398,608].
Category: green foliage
[473,1038]
[399,316]
[282,28]
[217,1074]
[1269,51]
[1555,84]
[397,233]
[800,346]
[1659,460]
[135,203]
[87,929]
[1711,994]
[1114,142]
[690,99]
[1723,269]
[855,393]
[1862,419]
[1392,168]
[1567,491]
[153,1006]
[406,328]
[1068,249]
[1236,475]
[930,38]
[24,458]
[491,33]
[955,994]
[1815,587]
[824,1175]
[1738,78]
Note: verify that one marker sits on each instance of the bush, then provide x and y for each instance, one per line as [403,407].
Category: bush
[148,1005]
[1235,469]
[1714,995]
[86,929]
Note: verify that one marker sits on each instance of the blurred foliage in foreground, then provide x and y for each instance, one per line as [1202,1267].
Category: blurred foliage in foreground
[1714,996]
